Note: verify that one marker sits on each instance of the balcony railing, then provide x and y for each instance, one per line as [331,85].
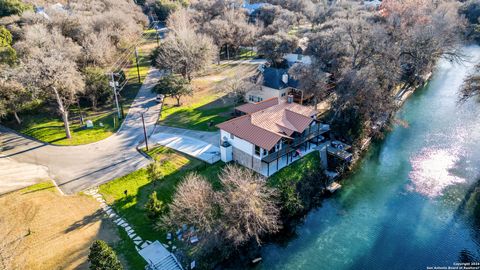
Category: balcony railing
[308,134]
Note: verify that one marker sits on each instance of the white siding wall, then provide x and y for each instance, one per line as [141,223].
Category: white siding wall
[293,57]
[238,143]
[266,93]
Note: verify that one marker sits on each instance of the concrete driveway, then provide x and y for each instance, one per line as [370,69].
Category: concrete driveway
[75,168]
[190,142]
[205,136]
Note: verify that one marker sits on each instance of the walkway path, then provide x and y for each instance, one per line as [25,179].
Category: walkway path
[137,240]
[153,252]
[75,168]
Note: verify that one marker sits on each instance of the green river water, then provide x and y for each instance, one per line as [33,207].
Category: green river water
[411,202]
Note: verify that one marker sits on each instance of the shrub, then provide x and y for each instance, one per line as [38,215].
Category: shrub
[102,257]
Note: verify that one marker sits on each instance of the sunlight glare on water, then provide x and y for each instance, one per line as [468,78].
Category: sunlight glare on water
[431,171]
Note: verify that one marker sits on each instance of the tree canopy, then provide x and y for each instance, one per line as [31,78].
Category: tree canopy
[173,86]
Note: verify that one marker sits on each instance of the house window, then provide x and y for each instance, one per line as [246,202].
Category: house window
[284,94]
[231,136]
[253,98]
[257,150]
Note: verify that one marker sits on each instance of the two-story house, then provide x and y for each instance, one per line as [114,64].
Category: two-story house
[271,134]
[275,83]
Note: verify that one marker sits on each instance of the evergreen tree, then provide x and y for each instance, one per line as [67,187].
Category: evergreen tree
[154,172]
[154,207]
[102,257]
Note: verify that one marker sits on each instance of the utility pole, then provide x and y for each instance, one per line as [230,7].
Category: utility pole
[113,84]
[80,110]
[145,132]
[138,70]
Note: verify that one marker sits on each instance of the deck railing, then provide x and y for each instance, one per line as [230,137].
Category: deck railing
[308,134]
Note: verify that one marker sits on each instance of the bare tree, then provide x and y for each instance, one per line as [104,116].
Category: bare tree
[13,97]
[184,51]
[50,67]
[230,31]
[274,47]
[248,205]
[236,87]
[471,86]
[193,204]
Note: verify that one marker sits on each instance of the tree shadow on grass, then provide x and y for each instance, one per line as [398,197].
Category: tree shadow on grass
[86,221]
[204,117]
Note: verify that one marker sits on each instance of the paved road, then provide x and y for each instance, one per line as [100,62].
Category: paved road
[75,168]
[16,175]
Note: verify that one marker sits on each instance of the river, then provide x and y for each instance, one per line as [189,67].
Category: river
[410,203]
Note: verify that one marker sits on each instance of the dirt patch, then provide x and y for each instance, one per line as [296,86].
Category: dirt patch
[41,229]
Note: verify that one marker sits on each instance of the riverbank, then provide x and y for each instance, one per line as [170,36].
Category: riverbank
[303,187]
[417,183]
[401,96]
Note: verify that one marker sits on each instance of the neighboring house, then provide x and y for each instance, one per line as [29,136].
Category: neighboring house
[271,135]
[299,55]
[59,8]
[293,58]
[252,8]
[372,4]
[275,83]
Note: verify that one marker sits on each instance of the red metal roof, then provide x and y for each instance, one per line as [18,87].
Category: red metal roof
[255,107]
[265,127]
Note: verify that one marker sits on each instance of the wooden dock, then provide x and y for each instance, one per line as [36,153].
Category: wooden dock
[333,187]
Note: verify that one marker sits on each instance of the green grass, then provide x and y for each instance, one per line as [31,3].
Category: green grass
[124,248]
[246,54]
[286,181]
[175,167]
[194,116]
[50,129]
[48,185]
[296,171]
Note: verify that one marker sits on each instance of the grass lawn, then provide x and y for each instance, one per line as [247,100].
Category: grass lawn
[51,130]
[194,116]
[47,126]
[207,105]
[296,171]
[175,167]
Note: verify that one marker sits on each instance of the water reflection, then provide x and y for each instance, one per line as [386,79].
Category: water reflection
[374,221]
[432,171]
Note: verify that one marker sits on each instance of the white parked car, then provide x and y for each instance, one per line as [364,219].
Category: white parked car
[160,98]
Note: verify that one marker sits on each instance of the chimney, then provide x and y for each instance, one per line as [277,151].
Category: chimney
[290,99]
[285,78]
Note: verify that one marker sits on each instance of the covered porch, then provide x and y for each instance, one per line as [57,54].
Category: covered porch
[294,149]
